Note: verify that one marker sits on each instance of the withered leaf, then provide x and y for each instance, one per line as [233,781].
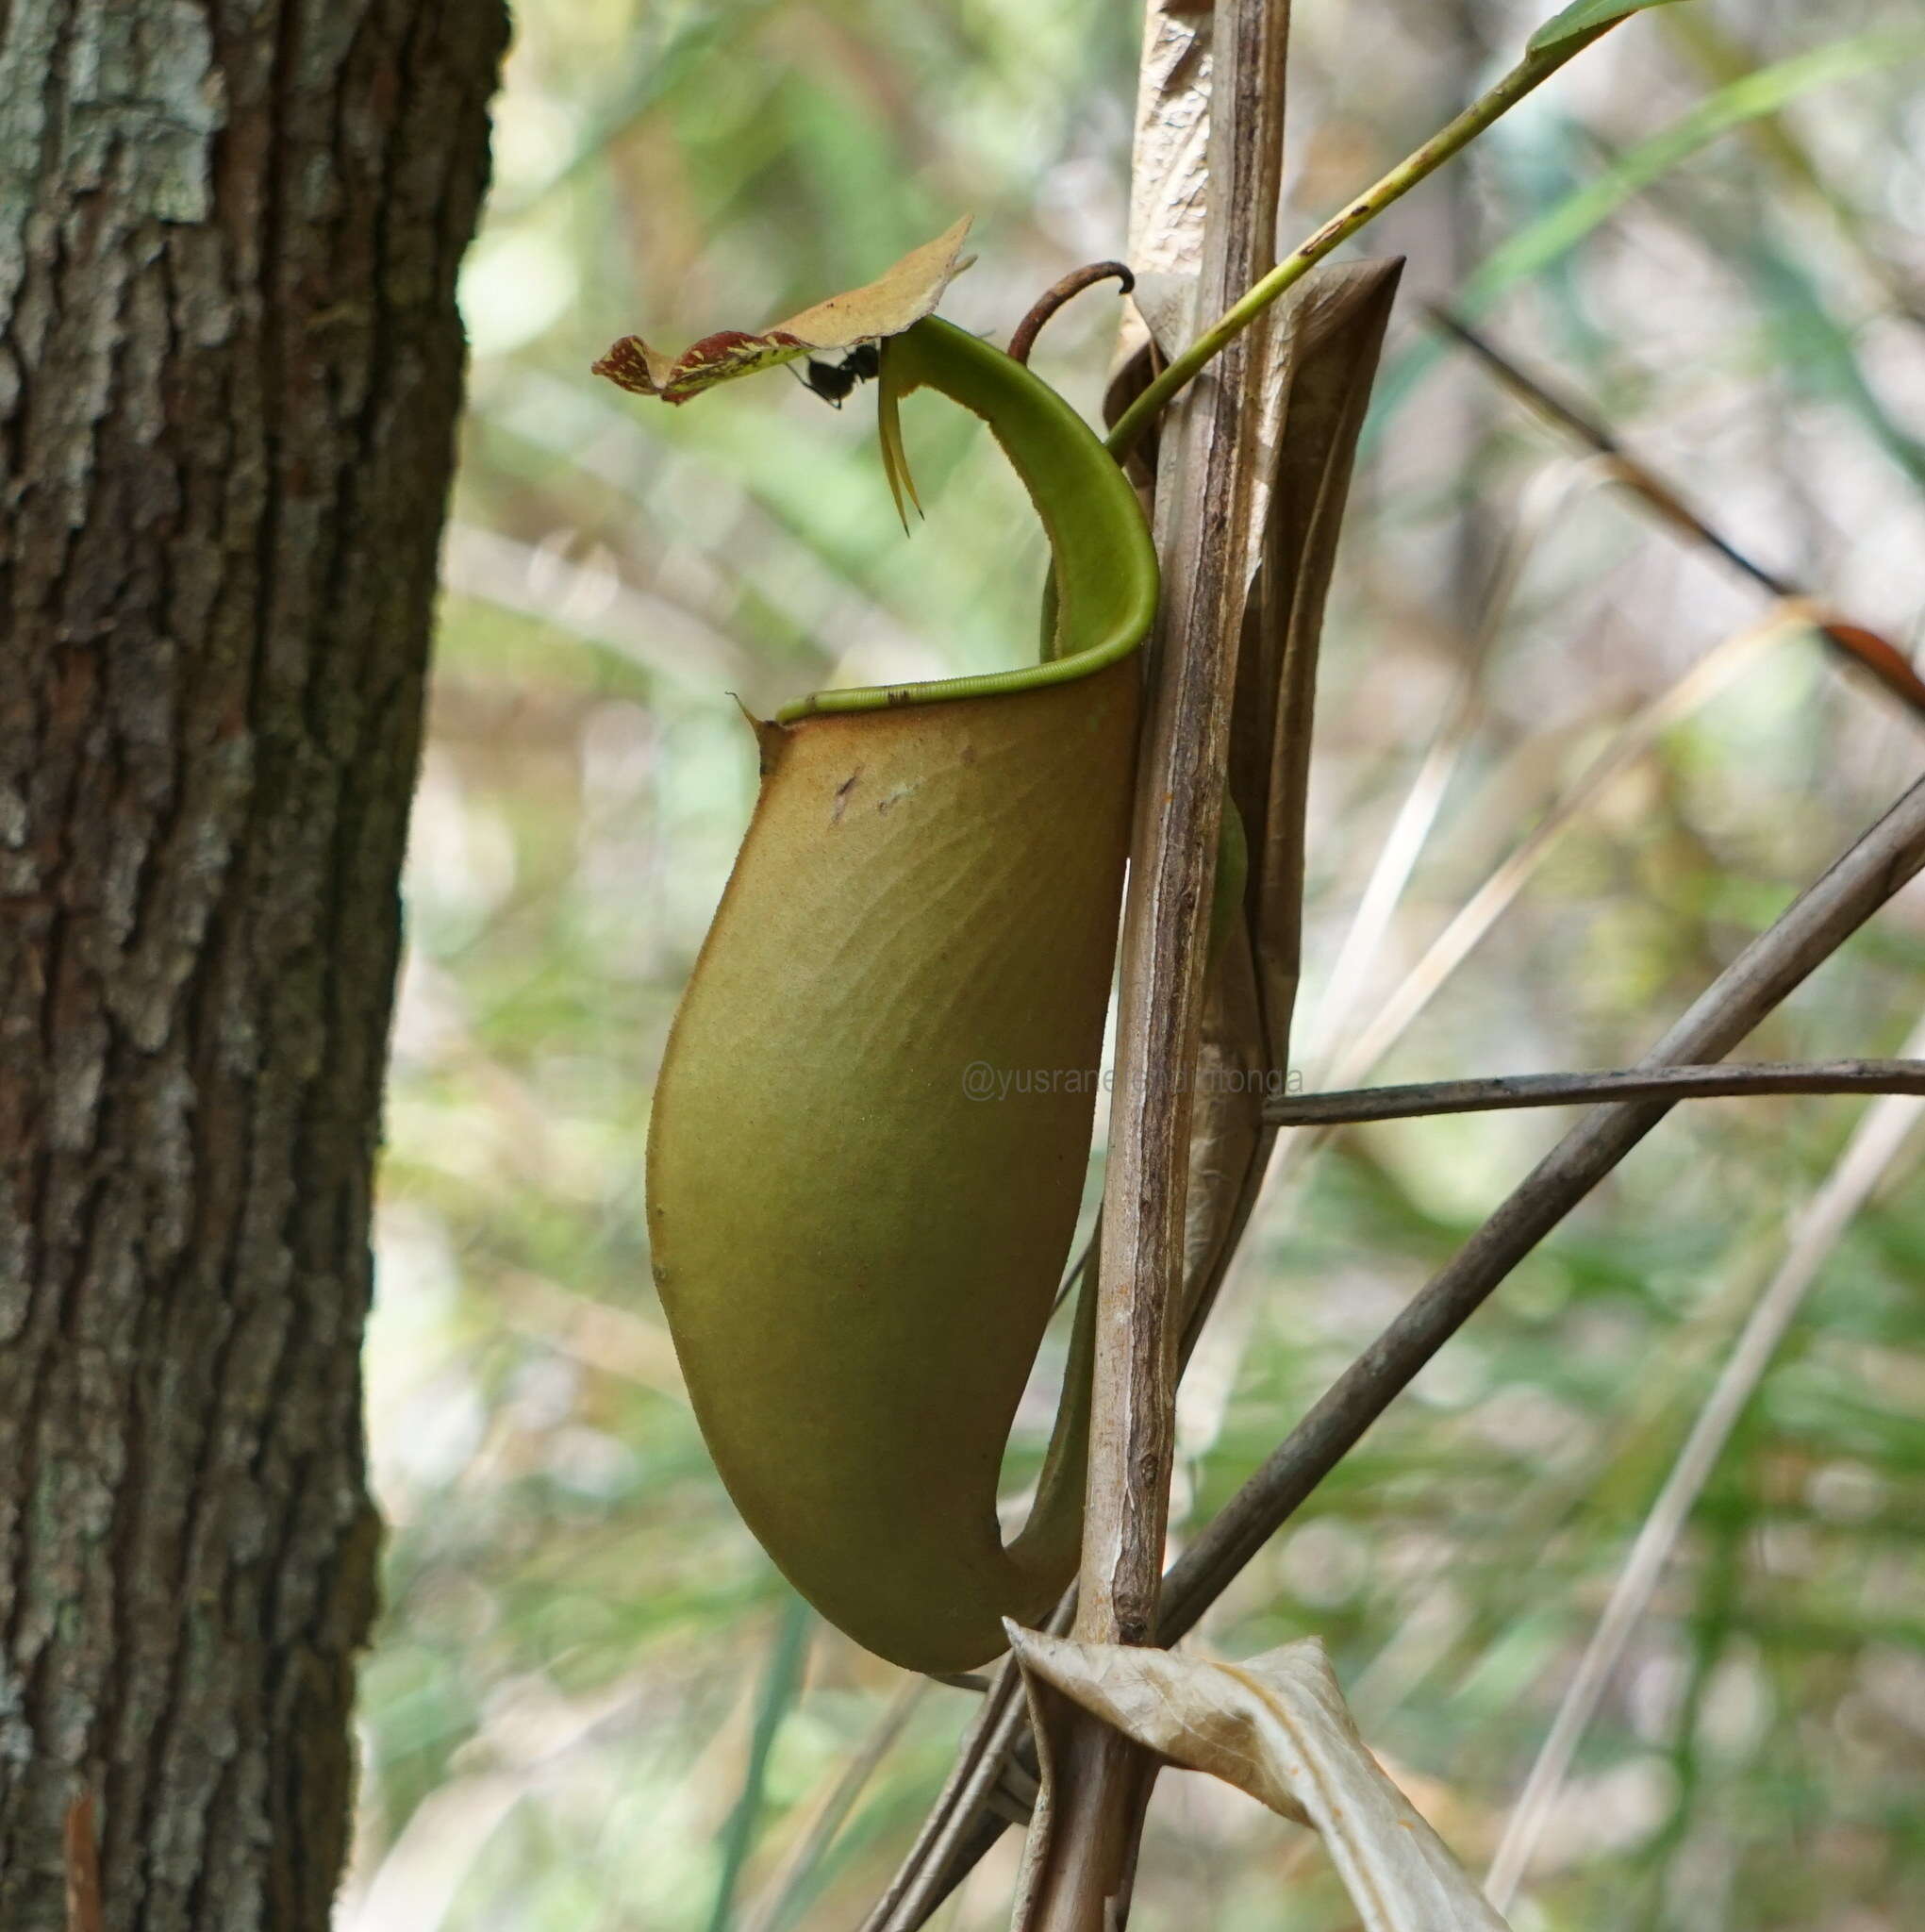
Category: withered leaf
[1278,1729]
[901,296]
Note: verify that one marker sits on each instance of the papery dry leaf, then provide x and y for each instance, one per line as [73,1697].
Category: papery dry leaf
[901,296]
[1170,158]
[1335,325]
[1278,1729]
[1168,304]
[1324,359]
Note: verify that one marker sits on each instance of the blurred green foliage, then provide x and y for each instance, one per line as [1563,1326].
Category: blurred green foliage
[587,1670]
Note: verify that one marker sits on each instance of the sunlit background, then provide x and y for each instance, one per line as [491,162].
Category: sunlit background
[592,1706]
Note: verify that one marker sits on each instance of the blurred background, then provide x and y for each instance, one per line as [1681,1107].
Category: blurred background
[1551,736]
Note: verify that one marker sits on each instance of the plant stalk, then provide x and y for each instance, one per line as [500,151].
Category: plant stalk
[1504,1091]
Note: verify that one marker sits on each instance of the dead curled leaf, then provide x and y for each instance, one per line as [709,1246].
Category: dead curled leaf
[1278,1729]
[901,296]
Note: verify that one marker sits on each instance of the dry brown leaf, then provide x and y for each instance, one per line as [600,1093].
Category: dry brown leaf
[1169,164]
[1278,1729]
[901,296]
[1324,360]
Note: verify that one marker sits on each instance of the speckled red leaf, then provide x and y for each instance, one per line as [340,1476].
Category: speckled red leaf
[901,296]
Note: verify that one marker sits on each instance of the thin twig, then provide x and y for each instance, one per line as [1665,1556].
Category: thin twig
[1536,67]
[1564,1089]
[1205,497]
[1870,1153]
[1875,868]
[1864,648]
[966,1816]
[1058,294]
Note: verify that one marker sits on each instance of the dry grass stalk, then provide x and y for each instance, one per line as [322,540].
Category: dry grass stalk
[1505,1091]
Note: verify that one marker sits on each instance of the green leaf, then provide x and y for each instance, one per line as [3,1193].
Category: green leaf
[1584,17]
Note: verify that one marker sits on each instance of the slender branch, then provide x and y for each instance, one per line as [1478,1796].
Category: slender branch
[1059,292]
[971,1812]
[1875,868]
[1871,653]
[1561,1090]
[1527,74]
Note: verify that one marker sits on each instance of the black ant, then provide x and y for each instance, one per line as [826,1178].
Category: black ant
[836,381]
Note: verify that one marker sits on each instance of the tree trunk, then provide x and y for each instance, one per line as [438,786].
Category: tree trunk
[229,370]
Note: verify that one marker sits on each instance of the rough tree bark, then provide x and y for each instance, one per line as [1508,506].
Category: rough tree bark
[229,372]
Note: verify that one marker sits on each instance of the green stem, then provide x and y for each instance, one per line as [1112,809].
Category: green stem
[1534,69]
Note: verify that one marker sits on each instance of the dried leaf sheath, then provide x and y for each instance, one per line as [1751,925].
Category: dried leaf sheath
[1278,1729]
[874,1117]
